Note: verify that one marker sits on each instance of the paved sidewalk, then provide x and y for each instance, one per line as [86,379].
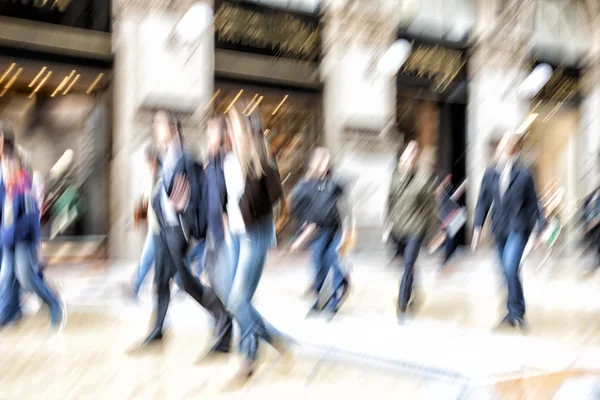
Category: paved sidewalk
[447,351]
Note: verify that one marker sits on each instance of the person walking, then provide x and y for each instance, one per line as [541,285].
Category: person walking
[20,234]
[319,203]
[410,213]
[253,189]
[510,188]
[180,203]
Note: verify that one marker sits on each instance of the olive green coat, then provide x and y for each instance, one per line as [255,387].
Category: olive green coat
[411,204]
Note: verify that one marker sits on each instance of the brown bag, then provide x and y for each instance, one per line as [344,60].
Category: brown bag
[140,213]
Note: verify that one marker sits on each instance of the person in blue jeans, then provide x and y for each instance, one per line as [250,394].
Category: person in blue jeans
[147,258]
[510,187]
[253,188]
[317,202]
[196,258]
[20,232]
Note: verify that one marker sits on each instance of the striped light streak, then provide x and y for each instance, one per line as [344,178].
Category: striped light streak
[10,83]
[38,76]
[7,72]
[39,86]
[234,100]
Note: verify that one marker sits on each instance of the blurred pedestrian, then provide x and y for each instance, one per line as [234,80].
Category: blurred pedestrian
[253,189]
[319,203]
[145,207]
[20,233]
[180,203]
[510,187]
[410,215]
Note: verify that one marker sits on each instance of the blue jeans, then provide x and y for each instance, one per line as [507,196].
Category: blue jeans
[146,262]
[411,252]
[10,307]
[510,251]
[27,273]
[237,280]
[325,258]
[197,256]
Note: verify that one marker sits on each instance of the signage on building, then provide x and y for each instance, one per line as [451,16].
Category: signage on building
[85,14]
[564,85]
[437,63]
[248,27]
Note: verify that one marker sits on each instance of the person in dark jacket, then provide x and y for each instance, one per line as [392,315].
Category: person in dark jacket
[509,186]
[317,203]
[20,235]
[213,168]
[180,201]
[253,189]
[410,215]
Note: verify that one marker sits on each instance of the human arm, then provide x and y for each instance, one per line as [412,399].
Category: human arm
[482,209]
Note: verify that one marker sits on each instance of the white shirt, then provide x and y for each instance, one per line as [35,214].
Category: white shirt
[505,176]
[170,160]
[235,184]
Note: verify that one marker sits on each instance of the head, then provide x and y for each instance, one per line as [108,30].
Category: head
[508,147]
[410,156]
[248,141]
[167,128]
[7,134]
[10,162]
[319,165]
[217,134]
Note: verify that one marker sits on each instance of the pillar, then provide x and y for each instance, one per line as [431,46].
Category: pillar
[359,106]
[149,74]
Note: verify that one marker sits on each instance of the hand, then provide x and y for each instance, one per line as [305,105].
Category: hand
[180,195]
[475,239]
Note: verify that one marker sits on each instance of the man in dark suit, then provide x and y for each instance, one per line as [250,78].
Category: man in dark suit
[509,190]
[180,201]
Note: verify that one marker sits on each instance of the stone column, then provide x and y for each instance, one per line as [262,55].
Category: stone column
[148,74]
[361,102]
[494,108]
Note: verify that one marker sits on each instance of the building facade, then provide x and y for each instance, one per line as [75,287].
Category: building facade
[314,77]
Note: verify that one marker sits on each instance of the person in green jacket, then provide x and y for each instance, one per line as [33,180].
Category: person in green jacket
[410,215]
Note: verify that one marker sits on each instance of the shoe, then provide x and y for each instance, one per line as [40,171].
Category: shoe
[243,375]
[13,321]
[129,292]
[401,318]
[507,322]
[155,337]
[212,354]
[522,326]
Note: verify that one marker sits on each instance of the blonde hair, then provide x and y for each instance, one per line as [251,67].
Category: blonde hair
[256,153]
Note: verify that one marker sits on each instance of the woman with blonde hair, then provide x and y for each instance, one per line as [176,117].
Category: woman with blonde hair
[253,187]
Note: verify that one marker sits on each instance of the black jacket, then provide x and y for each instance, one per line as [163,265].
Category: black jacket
[194,217]
[517,211]
[260,196]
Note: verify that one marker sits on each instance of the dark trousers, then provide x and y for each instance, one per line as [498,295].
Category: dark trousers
[510,251]
[412,246]
[449,249]
[170,252]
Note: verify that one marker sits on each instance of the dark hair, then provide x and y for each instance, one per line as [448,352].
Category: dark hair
[151,152]
[8,147]
[8,132]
